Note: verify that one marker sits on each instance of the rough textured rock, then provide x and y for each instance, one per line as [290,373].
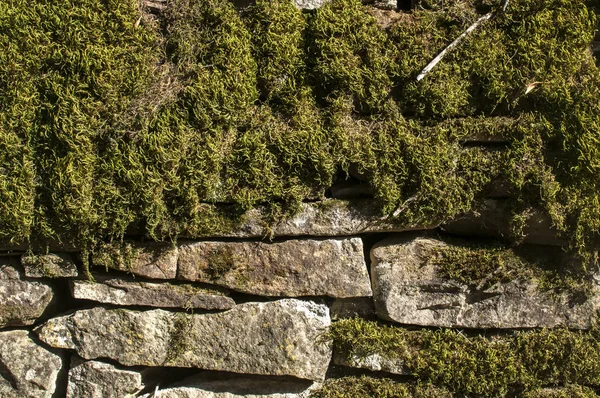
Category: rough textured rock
[234,386]
[9,268]
[361,307]
[150,260]
[122,292]
[309,4]
[22,302]
[374,362]
[408,289]
[326,218]
[49,265]
[26,369]
[93,379]
[274,338]
[333,267]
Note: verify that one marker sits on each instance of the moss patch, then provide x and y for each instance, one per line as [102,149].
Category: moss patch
[111,119]
[479,366]
[482,266]
[367,387]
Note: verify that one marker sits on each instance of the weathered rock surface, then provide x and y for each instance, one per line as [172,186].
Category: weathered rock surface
[93,379]
[150,260]
[26,369]
[374,362]
[361,307]
[233,386]
[22,302]
[326,218]
[333,267]
[49,265]
[122,292]
[275,338]
[309,4]
[408,289]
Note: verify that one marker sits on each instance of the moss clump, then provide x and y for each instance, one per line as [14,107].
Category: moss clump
[367,387]
[483,266]
[349,55]
[110,119]
[220,262]
[479,366]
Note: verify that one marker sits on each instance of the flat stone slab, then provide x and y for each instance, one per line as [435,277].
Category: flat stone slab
[236,386]
[408,289]
[93,379]
[276,338]
[150,260]
[293,268]
[328,218]
[122,292]
[22,302]
[51,265]
[26,369]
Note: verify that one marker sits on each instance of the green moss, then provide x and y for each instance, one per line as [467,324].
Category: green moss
[367,387]
[483,266]
[179,339]
[110,119]
[220,262]
[478,366]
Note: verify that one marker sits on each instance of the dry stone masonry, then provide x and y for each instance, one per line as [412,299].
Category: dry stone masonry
[250,317]
[335,299]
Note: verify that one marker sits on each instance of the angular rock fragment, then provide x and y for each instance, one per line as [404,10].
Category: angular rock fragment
[150,260]
[22,302]
[49,265]
[26,369]
[409,289]
[122,292]
[93,379]
[333,267]
[236,386]
[274,338]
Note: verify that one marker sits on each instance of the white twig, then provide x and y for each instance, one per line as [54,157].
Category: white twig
[441,55]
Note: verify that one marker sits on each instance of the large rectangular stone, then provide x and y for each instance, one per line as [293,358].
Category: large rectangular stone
[293,268]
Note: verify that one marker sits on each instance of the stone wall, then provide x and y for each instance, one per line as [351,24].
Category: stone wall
[237,314]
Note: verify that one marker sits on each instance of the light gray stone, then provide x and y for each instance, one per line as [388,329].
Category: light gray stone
[93,379]
[408,289]
[26,369]
[150,260]
[49,265]
[22,302]
[293,268]
[275,338]
[122,292]
[309,4]
[329,218]
[361,307]
[234,386]
[374,362]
